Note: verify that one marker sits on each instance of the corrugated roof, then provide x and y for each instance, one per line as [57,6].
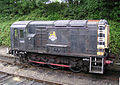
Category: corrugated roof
[42,22]
[61,22]
[20,24]
[80,23]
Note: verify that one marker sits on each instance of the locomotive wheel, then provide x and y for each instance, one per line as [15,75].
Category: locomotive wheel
[53,61]
[33,58]
[75,69]
[75,66]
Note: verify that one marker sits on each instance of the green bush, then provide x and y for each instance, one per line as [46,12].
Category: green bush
[114,37]
[5,33]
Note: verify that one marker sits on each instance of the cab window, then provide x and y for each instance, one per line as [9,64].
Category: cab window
[15,32]
[21,34]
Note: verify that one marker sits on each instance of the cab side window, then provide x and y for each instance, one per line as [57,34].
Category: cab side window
[15,32]
[21,34]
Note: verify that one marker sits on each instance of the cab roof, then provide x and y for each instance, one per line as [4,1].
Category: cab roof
[59,23]
[20,24]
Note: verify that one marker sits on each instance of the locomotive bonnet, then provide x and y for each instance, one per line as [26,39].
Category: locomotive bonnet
[81,45]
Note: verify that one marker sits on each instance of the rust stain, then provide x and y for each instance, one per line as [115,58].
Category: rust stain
[93,20]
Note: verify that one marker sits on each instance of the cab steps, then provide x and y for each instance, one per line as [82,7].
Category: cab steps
[96,65]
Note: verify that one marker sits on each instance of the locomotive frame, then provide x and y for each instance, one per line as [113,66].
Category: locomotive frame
[81,45]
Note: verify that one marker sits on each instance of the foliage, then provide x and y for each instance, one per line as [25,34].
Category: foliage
[5,33]
[114,37]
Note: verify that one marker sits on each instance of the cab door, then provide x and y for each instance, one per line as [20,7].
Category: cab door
[21,38]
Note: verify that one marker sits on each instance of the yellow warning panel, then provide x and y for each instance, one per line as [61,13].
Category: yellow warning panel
[100,53]
[106,36]
[100,47]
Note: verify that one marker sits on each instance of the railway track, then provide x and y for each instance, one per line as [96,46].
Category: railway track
[51,76]
[7,79]
[14,79]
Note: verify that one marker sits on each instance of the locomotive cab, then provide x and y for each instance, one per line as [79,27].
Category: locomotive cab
[18,34]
